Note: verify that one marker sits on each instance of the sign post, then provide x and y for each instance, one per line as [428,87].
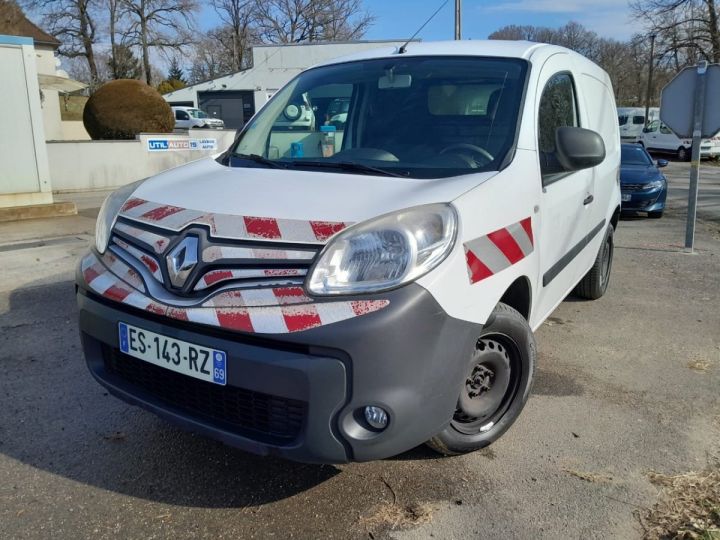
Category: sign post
[698,106]
[698,118]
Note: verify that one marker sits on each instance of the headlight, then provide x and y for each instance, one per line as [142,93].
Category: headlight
[385,252]
[108,213]
[654,184]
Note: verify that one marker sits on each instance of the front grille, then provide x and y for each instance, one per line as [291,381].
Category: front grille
[258,416]
[632,187]
[242,264]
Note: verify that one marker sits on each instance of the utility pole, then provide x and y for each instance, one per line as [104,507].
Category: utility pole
[650,76]
[458,20]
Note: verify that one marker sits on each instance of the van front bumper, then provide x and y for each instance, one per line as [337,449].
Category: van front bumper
[301,395]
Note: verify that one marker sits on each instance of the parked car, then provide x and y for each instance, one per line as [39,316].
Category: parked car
[632,121]
[350,305]
[190,117]
[657,137]
[643,186]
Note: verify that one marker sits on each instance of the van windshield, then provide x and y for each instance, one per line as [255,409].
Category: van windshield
[420,117]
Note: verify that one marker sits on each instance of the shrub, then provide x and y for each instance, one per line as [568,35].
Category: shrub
[121,109]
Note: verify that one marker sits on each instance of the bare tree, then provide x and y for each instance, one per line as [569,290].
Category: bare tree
[295,21]
[625,62]
[75,24]
[212,56]
[123,64]
[238,18]
[685,29]
[159,24]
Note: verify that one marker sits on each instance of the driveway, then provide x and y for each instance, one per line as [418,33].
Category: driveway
[625,385]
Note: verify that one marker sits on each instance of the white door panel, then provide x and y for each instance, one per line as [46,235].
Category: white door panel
[564,219]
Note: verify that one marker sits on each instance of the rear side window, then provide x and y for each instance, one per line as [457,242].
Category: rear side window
[638,120]
[558,108]
[181,115]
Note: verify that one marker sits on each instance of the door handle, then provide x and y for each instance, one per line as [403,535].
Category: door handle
[588,200]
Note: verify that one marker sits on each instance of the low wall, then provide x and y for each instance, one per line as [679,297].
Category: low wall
[97,165]
[73,130]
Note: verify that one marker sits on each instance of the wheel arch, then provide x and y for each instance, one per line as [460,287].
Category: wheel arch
[519,296]
[615,219]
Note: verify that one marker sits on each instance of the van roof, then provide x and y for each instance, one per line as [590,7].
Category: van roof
[527,50]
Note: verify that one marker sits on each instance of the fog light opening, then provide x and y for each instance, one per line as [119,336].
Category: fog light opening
[376,417]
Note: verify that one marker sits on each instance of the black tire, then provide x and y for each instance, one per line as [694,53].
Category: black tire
[655,215]
[683,154]
[595,282]
[506,347]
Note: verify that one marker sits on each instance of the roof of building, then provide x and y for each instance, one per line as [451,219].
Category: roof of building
[13,22]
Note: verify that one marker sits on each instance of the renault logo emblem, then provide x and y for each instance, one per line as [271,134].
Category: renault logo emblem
[182,260]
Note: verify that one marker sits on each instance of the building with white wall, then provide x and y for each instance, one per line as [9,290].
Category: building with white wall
[236,97]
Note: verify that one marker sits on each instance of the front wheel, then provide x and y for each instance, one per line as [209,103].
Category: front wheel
[595,282]
[499,374]
[655,215]
[683,154]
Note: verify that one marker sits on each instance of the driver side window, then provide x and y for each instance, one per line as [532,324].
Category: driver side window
[558,108]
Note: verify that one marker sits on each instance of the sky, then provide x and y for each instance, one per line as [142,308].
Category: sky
[396,19]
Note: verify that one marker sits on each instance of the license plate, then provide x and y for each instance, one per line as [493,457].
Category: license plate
[176,355]
[626,197]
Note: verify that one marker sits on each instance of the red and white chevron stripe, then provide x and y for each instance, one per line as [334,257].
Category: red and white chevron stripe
[498,250]
[215,253]
[147,261]
[123,271]
[157,242]
[231,226]
[217,276]
[289,310]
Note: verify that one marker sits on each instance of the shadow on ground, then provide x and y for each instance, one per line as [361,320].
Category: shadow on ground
[57,418]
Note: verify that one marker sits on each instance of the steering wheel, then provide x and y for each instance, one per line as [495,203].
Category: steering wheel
[471,147]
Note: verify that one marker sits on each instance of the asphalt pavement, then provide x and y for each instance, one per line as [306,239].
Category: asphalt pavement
[625,385]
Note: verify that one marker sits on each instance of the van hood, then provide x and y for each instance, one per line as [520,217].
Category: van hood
[207,186]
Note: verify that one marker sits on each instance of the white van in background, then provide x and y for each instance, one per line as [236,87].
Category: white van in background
[190,117]
[657,137]
[632,121]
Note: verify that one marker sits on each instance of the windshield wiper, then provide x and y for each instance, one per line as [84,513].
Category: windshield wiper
[348,166]
[259,159]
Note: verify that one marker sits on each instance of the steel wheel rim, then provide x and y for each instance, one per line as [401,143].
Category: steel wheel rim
[469,425]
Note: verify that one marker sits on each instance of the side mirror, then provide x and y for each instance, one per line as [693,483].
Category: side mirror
[662,163]
[646,130]
[578,148]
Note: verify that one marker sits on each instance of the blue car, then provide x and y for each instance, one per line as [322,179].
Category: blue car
[643,186]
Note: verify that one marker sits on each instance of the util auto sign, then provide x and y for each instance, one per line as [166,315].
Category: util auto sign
[167,145]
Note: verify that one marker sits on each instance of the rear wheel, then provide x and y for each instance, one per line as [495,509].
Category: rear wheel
[683,154]
[595,282]
[499,374]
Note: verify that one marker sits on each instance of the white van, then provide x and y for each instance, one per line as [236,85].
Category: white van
[190,117]
[657,137]
[632,121]
[379,289]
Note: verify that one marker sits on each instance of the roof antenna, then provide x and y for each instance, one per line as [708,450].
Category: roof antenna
[402,49]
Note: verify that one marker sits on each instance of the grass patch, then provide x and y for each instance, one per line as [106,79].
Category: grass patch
[595,478]
[688,506]
[71,107]
[699,365]
[396,516]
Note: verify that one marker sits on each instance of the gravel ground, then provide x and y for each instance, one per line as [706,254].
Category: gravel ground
[626,385]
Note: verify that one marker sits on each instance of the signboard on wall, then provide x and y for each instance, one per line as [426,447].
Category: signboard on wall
[169,145]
